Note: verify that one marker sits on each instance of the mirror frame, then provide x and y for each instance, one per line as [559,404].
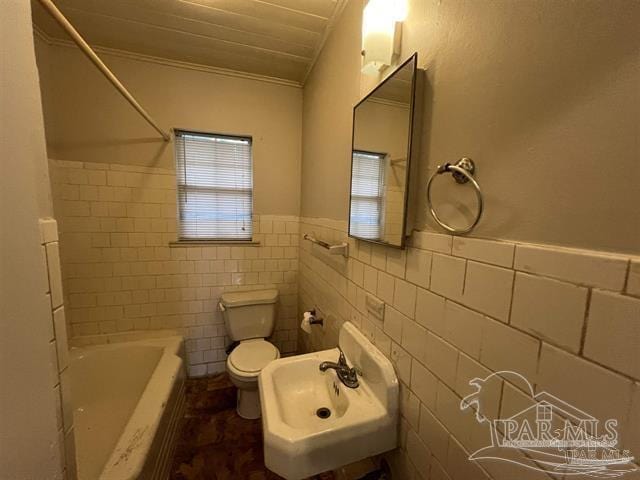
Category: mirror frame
[403,238]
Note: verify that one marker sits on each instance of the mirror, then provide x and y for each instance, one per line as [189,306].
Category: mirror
[380,159]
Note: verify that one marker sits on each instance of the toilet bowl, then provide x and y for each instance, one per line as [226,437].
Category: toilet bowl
[243,366]
[249,318]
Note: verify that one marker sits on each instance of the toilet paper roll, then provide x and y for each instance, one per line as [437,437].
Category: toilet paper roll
[305,325]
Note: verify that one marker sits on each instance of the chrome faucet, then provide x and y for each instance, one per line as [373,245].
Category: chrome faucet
[348,376]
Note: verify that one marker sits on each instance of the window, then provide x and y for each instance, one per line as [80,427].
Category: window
[215,186]
[367,194]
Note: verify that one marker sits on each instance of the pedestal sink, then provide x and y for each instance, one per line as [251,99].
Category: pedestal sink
[313,423]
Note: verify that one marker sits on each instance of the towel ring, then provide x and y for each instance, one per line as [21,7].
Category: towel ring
[462,172]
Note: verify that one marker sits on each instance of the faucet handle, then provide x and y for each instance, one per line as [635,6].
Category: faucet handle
[342,360]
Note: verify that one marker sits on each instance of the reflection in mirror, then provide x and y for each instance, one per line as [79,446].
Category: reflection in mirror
[380,159]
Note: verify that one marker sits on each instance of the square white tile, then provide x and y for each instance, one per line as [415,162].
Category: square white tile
[550,309]
[430,311]
[582,267]
[488,289]
[447,276]
[613,332]
[419,267]
[489,251]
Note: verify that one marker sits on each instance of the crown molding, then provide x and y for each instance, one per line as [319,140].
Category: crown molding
[58,42]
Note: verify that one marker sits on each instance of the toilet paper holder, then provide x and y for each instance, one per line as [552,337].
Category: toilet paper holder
[314,320]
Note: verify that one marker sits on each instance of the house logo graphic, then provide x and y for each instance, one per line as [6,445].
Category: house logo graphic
[549,435]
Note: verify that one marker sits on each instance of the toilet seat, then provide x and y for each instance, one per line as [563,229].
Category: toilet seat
[251,356]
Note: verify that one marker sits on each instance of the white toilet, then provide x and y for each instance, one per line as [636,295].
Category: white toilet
[249,318]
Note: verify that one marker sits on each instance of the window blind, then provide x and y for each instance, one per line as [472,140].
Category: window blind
[367,194]
[215,186]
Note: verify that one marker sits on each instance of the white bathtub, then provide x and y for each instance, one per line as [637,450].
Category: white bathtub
[128,400]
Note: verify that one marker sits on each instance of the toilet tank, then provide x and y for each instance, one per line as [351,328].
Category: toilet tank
[249,314]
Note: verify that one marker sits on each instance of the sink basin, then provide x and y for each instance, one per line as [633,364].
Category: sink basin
[313,423]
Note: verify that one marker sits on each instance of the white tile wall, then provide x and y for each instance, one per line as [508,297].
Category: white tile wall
[396,262]
[121,273]
[393,321]
[577,266]
[633,280]
[55,276]
[434,434]
[386,287]
[613,336]
[414,340]
[505,348]
[430,311]
[404,298]
[567,320]
[424,384]
[469,369]
[488,251]
[442,358]
[488,289]
[447,276]
[559,318]
[435,242]
[419,267]
[463,328]
[590,387]
[59,348]
[418,452]
[631,433]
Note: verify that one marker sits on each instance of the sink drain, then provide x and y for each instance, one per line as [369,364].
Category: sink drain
[323,413]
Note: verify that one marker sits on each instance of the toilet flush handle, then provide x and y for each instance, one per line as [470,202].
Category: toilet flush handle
[221,307]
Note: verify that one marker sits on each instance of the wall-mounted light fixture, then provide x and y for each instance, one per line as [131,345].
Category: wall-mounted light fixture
[381,28]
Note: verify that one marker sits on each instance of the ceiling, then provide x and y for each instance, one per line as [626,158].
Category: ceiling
[274,38]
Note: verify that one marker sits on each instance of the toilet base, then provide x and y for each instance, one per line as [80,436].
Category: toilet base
[248,396]
[248,404]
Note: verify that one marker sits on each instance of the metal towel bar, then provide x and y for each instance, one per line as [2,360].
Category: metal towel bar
[339,249]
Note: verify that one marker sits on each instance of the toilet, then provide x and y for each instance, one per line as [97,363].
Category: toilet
[249,318]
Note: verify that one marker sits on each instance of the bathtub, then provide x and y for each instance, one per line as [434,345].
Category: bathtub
[128,400]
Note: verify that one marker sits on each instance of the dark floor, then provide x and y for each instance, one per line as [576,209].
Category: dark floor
[215,443]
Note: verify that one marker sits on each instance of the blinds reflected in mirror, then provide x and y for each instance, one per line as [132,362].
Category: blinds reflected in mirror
[215,186]
[367,194]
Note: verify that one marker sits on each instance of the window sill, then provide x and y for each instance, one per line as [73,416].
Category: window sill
[202,243]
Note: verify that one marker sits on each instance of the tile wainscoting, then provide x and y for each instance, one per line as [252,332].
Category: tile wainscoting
[456,308]
[120,273]
[459,308]
[58,347]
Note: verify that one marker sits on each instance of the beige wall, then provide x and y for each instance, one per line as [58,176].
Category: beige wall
[88,121]
[29,438]
[384,128]
[329,95]
[542,95]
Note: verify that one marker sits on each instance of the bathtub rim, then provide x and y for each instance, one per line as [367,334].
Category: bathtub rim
[127,460]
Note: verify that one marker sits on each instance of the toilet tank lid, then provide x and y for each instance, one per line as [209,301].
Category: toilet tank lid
[253,297]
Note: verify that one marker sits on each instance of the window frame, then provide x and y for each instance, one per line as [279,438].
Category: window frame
[185,240]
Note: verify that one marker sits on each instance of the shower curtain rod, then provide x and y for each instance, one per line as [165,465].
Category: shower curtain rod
[88,51]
